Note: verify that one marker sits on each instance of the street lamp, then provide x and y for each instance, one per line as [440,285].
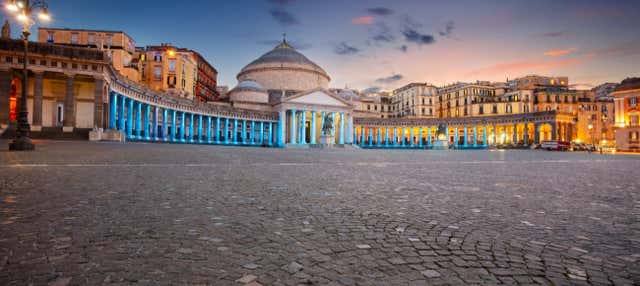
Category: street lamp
[24,12]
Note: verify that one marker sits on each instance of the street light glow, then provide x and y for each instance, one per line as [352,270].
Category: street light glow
[44,16]
[11,6]
[23,18]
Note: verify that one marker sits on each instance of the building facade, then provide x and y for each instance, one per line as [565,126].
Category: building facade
[627,115]
[206,79]
[170,69]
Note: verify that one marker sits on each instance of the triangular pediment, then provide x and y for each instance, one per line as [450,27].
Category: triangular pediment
[318,97]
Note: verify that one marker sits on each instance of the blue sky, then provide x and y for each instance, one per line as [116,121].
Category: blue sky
[385,44]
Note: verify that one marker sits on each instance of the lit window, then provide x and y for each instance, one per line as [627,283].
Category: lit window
[74,38]
[109,40]
[91,39]
[50,37]
[157,72]
[172,65]
[633,101]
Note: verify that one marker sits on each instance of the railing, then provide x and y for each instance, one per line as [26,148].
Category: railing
[54,50]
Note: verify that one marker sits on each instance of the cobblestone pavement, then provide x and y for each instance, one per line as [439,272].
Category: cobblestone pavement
[80,213]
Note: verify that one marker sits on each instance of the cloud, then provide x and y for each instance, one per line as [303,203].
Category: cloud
[296,44]
[581,86]
[283,17]
[525,66]
[382,33]
[345,49]
[617,50]
[389,79]
[380,11]
[550,35]
[364,20]
[448,29]
[413,36]
[403,48]
[373,89]
[555,53]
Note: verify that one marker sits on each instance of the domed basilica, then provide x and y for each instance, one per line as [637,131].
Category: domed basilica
[286,81]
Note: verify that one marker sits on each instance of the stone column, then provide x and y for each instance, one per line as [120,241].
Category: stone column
[138,119]
[475,135]
[235,131]
[412,135]
[37,104]
[495,134]
[386,137]
[466,136]
[69,106]
[153,133]
[428,135]
[515,134]
[227,138]
[420,136]
[447,132]
[293,127]
[208,133]
[217,129]
[536,134]
[174,124]
[526,134]
[350,138]
[113,110]
[191,125]
[281,127]
[183,126]
[165,124]
[145,121]
[379,137]
[261,139]
[313,127]
[130,118]
[342,133]
[303,127]
[243,135]
[121,113]
[456,134]
[395,135]
[271,125]
[554,131]
[484,135]
[5,88]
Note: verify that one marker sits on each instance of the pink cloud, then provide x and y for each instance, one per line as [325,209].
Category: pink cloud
[555,53]
[525,66]
[364,20]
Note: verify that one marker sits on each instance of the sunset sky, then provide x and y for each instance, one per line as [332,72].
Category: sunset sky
[385,44]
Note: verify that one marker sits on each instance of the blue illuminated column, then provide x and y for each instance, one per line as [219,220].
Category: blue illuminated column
[395,136]
[235,131]
[113,110]
[342,132]
[484,135]
[313,127]
[191,123]
[145,121]
[227,138]
[208,129]
[138,119]
[199,139]
[475,136]
[243,135]
[154,124]
[282,118]
[386,137]
[455,136]
[420,138]
[466,136]
[379,136]
[122,115]
[370,136]
[402,131]
[174,125]
[303,128]
[355,135]
[183,126]
[428,135]
[261,138]
[217,130]
[362,128]
[448,138]
[130,119]
[165,126]
[270,127]
[412,135]
[293,127]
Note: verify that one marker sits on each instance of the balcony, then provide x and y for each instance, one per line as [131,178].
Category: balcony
[54,50]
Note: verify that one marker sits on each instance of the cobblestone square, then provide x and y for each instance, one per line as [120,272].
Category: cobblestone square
[80,213]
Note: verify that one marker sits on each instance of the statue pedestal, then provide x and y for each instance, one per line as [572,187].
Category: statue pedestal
[327,140]
[441,145]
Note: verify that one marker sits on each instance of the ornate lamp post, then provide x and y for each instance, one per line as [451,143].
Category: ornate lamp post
[24,12]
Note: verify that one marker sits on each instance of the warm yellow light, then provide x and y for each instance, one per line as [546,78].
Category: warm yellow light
[44,16]
[11,6]
[590,126]
[20,4]
[172,53]
[23,18]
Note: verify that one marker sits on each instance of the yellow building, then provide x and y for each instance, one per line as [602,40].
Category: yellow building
[537,82]
[456,100]
[169,69]
[414,100]
[627,118]
[119,46]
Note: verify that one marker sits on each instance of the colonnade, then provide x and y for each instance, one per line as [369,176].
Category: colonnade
[145,122]
[461,136]
[305,126]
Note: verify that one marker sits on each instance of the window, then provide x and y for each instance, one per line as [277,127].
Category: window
[157,72]
[74,38]
[50,37]
[368,107]
[495,109]
[109,40]
[526,108]
[509,108]
[634,120]
[633,136]
[172,65]
[157,57]
[633,101]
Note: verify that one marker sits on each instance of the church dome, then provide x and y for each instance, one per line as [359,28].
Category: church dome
[348,94]
[249,84]
[284,68]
